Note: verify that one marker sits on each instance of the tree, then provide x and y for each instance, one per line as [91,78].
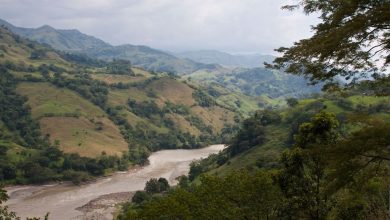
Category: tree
[239,195]
[139,197]
[156,186]
[292,102]
[302,178]
[4,212]
[352,40]
[360,165]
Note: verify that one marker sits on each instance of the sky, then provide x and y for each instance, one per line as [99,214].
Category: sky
[235,26]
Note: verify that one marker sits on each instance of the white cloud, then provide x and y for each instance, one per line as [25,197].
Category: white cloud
[227,25]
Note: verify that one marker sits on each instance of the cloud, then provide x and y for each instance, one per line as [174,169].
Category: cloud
[227,25]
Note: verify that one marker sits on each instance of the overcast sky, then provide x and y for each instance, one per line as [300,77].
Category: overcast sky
[237,26]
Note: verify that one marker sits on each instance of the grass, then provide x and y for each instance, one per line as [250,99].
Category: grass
[367,100]
[47,99]
[215,116]
[112,79]
[268,152]
[80,134]
[83,136]
[173,91]
[183,124]
[120,96]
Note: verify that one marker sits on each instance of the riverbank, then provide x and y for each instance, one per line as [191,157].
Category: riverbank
[66,202]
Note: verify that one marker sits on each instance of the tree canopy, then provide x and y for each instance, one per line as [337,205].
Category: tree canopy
[352,41]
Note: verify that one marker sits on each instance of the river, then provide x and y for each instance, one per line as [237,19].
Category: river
[96,200]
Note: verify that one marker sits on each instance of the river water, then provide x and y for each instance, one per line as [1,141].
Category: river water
[62,201]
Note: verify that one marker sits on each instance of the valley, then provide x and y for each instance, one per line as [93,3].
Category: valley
[63,201]
[91,129]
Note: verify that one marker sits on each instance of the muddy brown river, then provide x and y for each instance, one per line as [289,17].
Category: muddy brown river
[96,200]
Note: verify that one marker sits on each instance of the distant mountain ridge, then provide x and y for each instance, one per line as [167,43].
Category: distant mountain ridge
[226,59]
[75,41]
[67,40]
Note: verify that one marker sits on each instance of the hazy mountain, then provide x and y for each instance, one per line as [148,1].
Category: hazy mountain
[69,40]
[226,59]
[149,58]
[257,81]
[75,41]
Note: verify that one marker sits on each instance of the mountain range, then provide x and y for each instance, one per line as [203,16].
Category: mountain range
[243,73]
[226,59]
[151,59]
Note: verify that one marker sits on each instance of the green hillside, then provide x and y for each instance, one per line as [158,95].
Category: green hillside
[226,59]
[104,111]
[256,82]
[333,150]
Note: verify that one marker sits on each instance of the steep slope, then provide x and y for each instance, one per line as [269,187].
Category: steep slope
[354,109]
[226,59]
[147,110]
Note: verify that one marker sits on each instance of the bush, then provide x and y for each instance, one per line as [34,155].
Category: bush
[139,197]
[76,177]
[156,186]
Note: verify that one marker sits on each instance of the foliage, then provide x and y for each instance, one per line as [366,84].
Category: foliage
[252,132]
[203,98]
[156,185]
[120,67]
[139,197]
[4,212]
[351,40]
[145,109]
[292,102]
[239,195]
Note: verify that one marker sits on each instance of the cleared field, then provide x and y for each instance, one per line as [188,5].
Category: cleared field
[86,137]
[173,91]
[47,99]
[112,79]
[215,116]
[120,96]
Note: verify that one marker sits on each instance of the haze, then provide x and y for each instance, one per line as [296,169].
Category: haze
[236,26]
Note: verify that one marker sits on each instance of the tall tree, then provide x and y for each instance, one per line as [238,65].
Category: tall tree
[352,40]
[302,178]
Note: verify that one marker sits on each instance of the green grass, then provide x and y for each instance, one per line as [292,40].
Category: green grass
[367,100]
[120,96]
[268,152]
[80,135]
[47,99]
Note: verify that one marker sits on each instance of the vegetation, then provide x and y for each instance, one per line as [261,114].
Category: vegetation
[256,82]
[322,176]
[334,154]
[351,41]
[59,121]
